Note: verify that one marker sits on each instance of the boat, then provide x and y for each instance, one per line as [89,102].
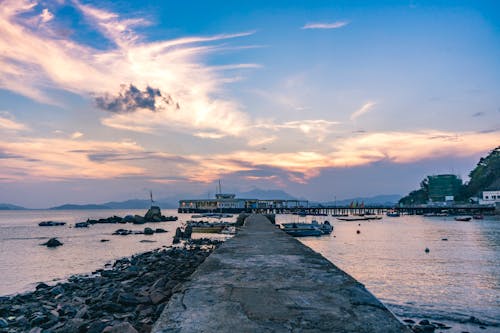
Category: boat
[301,229]
[325,227]
[463,218]
[393,213]
[359,218]
[478,217]
[228,230]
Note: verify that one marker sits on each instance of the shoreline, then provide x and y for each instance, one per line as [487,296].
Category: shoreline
[126,296]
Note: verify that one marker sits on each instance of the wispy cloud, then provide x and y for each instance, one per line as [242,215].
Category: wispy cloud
[325,25]
[172,68]
[364,109]
[7,122]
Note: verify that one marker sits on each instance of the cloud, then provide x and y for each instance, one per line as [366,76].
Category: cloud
[318,129]
[153,71]
[364,109]
[76,135]
[324,25]
[130,98]
[7,122]
[46,16]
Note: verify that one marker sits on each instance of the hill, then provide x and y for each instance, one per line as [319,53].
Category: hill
[5,206]
[77,207]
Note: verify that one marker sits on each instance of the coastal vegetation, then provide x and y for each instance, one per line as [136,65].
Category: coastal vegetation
[485,175]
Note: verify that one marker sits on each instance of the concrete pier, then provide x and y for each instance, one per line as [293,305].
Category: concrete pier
[263,280]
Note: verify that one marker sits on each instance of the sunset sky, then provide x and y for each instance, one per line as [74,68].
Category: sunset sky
[105,100]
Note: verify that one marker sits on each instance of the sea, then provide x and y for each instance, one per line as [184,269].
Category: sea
[458,278]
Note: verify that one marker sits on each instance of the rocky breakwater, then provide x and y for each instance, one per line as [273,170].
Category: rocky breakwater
[127,296]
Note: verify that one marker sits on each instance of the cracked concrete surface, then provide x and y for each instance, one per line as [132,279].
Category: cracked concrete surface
[263,280]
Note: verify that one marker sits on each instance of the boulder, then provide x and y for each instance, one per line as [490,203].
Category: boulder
[160,230]
[124,327]
[139,219]
[148,231]
[153,214]
[53,242]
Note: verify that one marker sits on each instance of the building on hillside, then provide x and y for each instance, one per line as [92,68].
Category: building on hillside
[228,203]
[443,188]
[490,197]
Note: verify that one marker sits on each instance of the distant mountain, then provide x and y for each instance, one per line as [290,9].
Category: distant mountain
[5,206]
[265,194]
[385,200]
[76,207]
[141,204]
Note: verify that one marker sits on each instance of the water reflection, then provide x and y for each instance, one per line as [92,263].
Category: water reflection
[460,275]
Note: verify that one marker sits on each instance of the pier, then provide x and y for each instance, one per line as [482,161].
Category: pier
[263,280]
[347,210]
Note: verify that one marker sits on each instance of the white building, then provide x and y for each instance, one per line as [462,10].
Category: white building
[490,197]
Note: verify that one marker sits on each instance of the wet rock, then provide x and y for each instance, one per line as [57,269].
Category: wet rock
[409,321]
[82,225]
[139,219]
[3,323]
[51,224]
[158,296]
[53,242]
[97,327]
[427,250]
[148,231]
[41,285]
[104,240]
[160,230]
[125,327]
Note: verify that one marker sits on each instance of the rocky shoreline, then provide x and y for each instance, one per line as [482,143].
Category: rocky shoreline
[127,296]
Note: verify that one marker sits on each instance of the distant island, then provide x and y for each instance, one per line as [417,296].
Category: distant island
[4,206]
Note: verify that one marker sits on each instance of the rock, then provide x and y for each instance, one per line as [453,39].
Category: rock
[423,328]
[53,242]
[73,325]
[139,219]
[409,321]
[3,323]
[427,250]
[82,225]
[104,240]
[36,330]
[153,214]
[158,296]
[358,232]
[160,230]
[42,285]
[57,290]
[424,322]
[51,224]
[128,299]
[148,231]
[97,327]
[38,318]
[147,241]
[125,327]
[444,239]
[128,219]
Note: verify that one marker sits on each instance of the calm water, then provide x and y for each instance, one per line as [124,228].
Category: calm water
[23,262]
[457,279]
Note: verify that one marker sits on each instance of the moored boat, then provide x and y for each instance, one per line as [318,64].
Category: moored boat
[393,213]
[463,218]
[301,229]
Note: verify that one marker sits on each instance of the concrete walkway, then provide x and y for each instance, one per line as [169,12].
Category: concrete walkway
[263,280]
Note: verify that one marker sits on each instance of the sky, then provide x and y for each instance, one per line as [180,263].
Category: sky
[106,100]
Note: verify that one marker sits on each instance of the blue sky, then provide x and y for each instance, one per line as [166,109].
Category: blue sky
[320,99]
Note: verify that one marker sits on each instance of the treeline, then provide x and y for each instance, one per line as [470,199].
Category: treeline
[485,174]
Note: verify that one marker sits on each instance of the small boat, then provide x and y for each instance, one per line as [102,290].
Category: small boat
[325,227]
[228,231]
[478,217]
[463,218]
[393,213]
[302,229]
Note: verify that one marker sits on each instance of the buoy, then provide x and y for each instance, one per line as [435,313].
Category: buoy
[358,232]
[427,250]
